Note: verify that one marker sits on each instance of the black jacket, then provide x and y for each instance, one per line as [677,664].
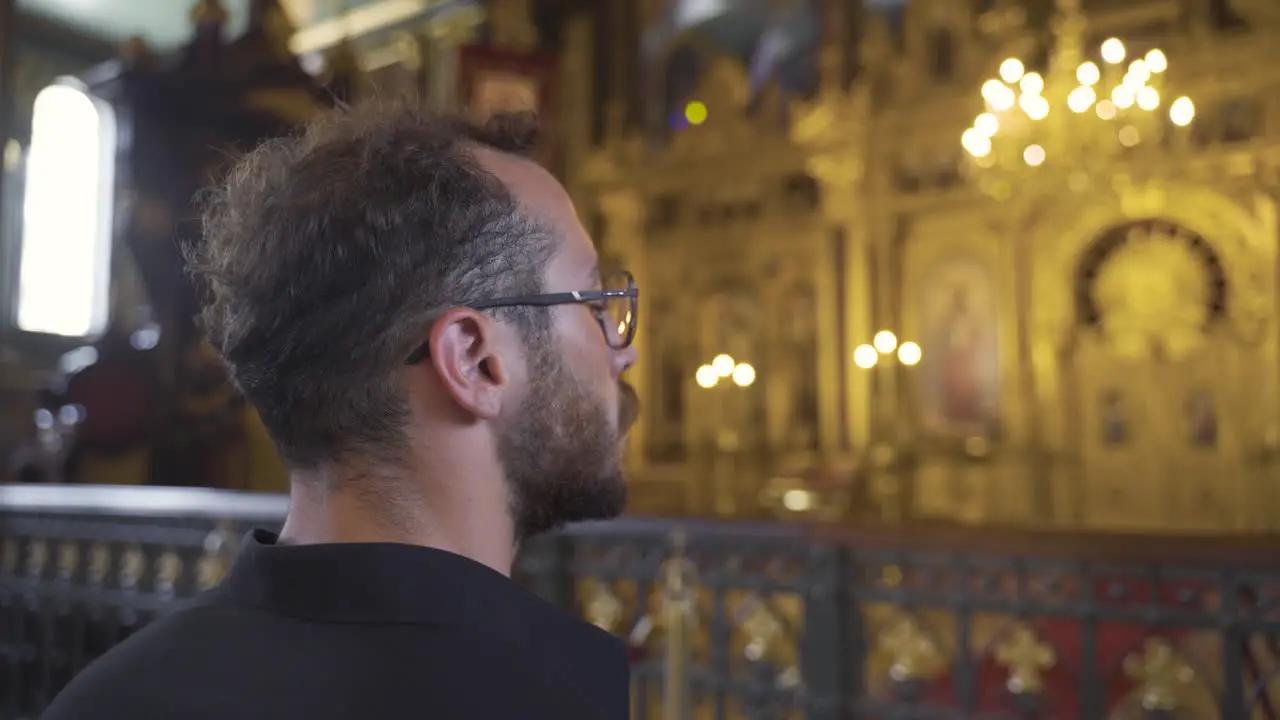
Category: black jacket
[358,632]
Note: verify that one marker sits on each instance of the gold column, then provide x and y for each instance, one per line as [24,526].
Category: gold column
[840,176]
[449,33]
[575,101]
[624,237]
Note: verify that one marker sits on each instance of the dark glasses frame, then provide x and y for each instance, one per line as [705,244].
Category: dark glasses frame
[615,340]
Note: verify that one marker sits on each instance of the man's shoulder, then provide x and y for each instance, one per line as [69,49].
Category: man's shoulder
[589,637]
[139,677]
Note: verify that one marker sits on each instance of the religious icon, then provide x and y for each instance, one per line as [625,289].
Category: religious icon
[1202,420]
[960,367]
[497,92]
[494,80]
[1115,428]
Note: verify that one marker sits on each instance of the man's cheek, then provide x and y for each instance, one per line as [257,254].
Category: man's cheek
[628,406]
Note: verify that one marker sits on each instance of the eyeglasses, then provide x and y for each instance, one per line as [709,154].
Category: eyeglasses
[614,307]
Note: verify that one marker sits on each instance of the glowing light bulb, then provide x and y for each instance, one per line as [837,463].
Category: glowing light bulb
[909,353]
[1123,96]
[1034,155]
[1148,98]
[1004,99]
[1182,111]
[987,124]
[706,377]
[1031,83]
[743,375]
[865,357]
[1081,99]
[1156,61]
[1035,106]
[1128,136]
[992,89]
[1011,70]
[1105,109]
[884,342]
[1112,51]
[1138,74]
[723,365]
[1088,73]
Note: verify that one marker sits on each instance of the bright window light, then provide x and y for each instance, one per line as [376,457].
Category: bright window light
[64,275]
[692,12]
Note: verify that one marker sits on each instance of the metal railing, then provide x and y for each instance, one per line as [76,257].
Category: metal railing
[729,620]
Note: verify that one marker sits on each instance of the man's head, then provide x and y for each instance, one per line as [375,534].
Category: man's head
[378,287]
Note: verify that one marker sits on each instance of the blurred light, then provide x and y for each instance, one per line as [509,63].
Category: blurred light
[64,275]
[884,342]
[1148,98]
[12,154]
[1138,74]
[1011,70]
[1182,111]
[865,357]
[1003,99]
[147,337]
[1031,83]
[1035,106]
[1123,96]
[1033,155]
[1088,73]
[1156,61]
[797,500]
[1105,109]
[987,124]
[723,365]
[1112,51]
[76,360]
[975,143]
[743,375]
[1081,99]
[695,112]
[706,376]
[909,353]
[1128,136]
[992,89]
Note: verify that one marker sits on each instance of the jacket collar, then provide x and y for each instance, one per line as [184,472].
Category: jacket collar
[370,583]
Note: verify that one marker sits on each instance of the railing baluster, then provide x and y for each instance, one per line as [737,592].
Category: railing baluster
[826,610]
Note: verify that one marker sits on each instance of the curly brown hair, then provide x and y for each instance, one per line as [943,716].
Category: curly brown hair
[326,255]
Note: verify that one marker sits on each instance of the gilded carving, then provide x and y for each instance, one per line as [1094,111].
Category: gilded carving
[1026,658]
[1160,673]
[1154,297]
[913,654]
[762,629]
[604,609]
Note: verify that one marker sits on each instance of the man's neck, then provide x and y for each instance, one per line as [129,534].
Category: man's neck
[320,513]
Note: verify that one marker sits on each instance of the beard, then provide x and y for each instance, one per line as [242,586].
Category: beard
[562,451]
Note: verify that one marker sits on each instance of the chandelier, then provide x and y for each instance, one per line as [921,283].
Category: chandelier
[1086,113]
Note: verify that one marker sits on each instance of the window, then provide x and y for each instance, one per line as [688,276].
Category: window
[64,266]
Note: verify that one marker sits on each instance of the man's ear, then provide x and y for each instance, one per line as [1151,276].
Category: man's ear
[464,354]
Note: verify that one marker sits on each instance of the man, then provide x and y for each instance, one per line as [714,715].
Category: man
[416,313]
